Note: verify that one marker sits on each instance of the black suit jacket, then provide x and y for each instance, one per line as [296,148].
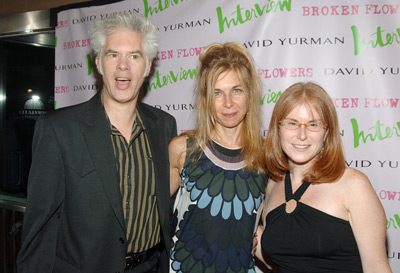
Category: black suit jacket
[74,217]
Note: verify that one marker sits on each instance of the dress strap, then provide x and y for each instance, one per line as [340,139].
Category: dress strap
[288,189]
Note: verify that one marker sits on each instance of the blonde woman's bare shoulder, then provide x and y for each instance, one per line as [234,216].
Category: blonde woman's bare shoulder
[177,151]
[178,143]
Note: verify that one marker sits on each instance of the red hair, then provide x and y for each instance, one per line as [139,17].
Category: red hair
[331,164]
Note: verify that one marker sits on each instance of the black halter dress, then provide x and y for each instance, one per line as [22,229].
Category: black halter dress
[308,240]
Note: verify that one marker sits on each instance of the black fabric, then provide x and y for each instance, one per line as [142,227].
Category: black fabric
[289,192]
[226,151]
[308,240]
[74,216]
[133,260]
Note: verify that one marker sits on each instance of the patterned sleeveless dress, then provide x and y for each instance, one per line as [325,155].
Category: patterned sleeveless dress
[215,213]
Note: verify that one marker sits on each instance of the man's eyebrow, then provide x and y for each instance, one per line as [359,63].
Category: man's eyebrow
[136,52]
[130,52]
[110,51]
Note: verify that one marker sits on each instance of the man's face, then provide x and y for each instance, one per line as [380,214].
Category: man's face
[123,64]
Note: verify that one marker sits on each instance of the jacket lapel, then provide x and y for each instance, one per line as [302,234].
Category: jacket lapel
[98,141]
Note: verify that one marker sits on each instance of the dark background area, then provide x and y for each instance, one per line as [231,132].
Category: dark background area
[28,64]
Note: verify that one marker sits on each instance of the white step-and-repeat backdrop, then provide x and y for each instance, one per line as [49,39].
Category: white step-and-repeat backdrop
[351,48]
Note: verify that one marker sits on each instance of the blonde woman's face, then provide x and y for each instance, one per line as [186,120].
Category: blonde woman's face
[230,101]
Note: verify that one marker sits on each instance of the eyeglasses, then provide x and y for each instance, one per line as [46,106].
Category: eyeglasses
[311,126]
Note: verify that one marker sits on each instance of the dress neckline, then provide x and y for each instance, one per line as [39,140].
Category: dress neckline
[289,191]
[233,152]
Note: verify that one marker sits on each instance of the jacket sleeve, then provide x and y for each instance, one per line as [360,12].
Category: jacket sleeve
[44,202]
[173,132]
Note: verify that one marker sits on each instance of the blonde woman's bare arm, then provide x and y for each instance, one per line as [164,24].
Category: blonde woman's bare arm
[177,153]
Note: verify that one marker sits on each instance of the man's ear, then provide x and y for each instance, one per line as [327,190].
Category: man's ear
[97,61]
[149,68]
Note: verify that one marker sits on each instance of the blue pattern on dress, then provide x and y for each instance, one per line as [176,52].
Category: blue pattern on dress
[214,218]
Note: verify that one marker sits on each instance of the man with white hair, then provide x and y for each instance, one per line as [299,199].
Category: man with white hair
[98,189]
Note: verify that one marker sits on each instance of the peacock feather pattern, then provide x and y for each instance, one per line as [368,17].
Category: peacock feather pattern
[215,212]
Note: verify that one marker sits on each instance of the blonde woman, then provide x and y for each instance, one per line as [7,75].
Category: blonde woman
[218,168]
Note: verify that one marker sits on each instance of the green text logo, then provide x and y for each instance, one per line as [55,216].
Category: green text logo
[380,38]
[270,97]
[241,15]
[159,80]
[160,6]
[89,64]
[376,132]
[393,222]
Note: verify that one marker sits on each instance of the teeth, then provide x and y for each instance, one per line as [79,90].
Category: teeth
[301,146]
[122,79]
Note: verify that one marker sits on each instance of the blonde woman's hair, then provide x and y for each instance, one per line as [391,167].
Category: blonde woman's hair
[217,59]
